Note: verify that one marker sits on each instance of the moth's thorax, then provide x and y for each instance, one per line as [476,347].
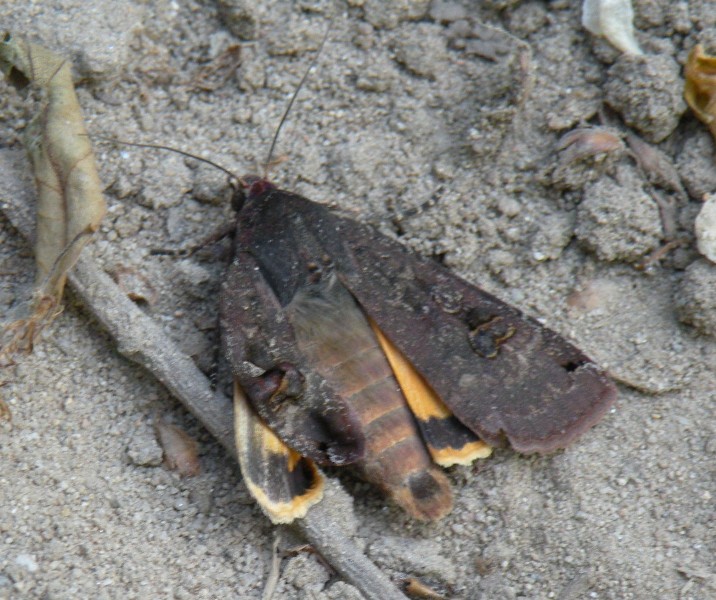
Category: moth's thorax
[250,189]
[257,186]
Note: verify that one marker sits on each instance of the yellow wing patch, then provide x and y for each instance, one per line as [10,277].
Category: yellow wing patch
[448,441]
[284,483]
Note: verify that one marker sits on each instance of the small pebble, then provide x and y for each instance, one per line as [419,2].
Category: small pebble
[27,562]
[705,228]
[143,449]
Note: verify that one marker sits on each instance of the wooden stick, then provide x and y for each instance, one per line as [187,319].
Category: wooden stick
[140,340]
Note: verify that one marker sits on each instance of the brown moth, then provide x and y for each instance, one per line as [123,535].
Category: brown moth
[349,349]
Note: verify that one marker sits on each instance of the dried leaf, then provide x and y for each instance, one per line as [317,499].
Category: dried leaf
[70,202]
[180,449]
[700,87]
[415,588]
[613,19]
[70,192]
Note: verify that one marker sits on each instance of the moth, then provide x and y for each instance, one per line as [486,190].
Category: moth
[347,348]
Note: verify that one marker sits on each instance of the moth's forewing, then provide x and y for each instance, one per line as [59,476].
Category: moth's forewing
[506,377]
[284,483]
[290,396]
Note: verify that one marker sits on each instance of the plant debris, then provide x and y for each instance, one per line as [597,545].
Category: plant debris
[614,20]
[585,142]
[700,87]
[181,452]
[70,202]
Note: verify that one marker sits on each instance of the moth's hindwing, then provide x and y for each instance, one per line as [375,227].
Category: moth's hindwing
[448,440]
[336,339]
[284,483]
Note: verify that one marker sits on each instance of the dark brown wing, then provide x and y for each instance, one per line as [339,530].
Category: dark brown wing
[505,376]
[282,386]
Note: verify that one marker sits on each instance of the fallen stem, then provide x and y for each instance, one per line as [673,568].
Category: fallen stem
[142,341]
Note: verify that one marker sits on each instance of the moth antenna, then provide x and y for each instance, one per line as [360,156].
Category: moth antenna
[316,56]
[240,180]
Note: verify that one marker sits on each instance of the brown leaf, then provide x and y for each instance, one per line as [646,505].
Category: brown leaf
[69,190]
[180,449]
[700,87]
[70,202]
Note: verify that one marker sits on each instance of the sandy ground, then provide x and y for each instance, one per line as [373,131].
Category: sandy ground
[411,126]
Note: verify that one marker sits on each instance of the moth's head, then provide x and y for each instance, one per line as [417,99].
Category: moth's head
[250,188]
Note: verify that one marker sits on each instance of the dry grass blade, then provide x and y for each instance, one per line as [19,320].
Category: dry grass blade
[274,572]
